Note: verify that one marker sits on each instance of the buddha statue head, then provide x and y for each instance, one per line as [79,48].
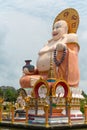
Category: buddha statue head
[59,28]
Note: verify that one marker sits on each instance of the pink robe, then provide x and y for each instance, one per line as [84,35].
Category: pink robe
[69,69]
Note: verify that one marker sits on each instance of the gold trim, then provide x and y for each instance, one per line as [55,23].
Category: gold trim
[44,82]
[54,87]
[71,16]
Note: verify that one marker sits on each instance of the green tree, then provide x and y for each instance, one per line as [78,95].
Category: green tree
[1,92]
[10,94]
[83,102]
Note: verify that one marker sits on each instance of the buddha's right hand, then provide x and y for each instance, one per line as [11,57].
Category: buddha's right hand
[60,46]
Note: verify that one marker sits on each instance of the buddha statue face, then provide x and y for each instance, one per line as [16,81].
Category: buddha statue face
[59,28]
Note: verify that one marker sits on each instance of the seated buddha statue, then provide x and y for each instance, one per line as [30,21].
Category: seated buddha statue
[64,49]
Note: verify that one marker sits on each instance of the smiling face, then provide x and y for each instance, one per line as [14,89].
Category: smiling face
[59,29]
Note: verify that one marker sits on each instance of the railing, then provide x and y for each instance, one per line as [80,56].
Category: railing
[45,105]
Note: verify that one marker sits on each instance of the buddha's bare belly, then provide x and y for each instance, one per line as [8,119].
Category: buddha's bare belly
[43,62]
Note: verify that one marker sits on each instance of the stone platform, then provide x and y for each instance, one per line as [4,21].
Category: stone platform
[22,125]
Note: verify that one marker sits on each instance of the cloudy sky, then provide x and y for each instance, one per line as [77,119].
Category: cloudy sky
[25,26]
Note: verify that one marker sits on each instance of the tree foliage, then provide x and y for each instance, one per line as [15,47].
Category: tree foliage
[8,93]
[83,102]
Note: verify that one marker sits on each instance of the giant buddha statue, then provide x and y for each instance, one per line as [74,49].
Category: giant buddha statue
[64,49]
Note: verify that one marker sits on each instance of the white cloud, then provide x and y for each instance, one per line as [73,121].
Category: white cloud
[83,85]
[24,38]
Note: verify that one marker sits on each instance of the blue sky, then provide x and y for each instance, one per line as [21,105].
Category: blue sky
[25,26]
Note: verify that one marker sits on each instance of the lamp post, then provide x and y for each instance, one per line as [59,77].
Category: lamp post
[27,108]
[69,109]
[1,101]
[0,112]
[12,110]
[46,107]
